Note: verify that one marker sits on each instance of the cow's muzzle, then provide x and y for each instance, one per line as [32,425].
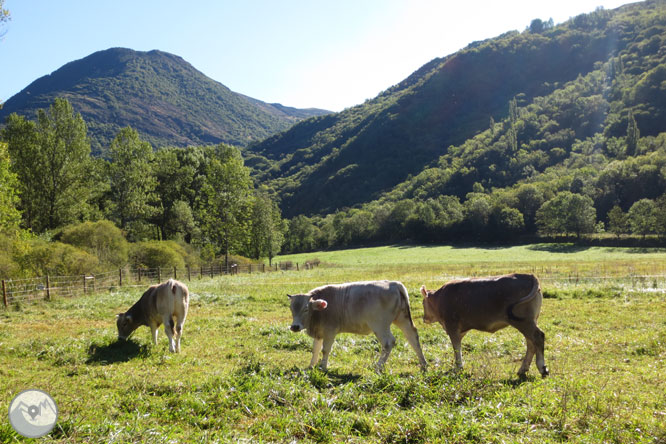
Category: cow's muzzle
[295,327]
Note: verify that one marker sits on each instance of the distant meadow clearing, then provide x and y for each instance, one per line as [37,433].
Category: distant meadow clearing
[242,375]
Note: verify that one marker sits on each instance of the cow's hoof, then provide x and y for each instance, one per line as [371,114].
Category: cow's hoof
[544,372]
[522,376]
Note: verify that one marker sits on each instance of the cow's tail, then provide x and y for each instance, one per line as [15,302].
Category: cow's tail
[531,295]
[175,286]
[404,297]
[181,295]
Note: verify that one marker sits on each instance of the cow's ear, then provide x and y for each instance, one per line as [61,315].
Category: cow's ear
[424,292]
[318,304]
[289,296]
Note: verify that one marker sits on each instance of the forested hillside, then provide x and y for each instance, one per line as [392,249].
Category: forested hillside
[160,95]
[585,155]
[336,161]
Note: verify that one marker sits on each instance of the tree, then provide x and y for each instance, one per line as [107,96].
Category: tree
[266,235]
[226,199]
[581,215]
[175,175]
[633,134]
[301,235]
[530,199]
[5,16]
[642,217]
[617,221]
[132,182]
[51,158]
[10,217]
[567,213]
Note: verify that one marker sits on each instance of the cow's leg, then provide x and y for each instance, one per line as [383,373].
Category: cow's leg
[456,342]
[169,330]
[540,343]
[387,341]
[405,324]
[326,349]
[535,339]
[153,330]
[527,360]
[179,333]
[316,347]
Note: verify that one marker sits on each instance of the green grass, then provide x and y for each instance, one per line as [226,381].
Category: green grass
[242,374]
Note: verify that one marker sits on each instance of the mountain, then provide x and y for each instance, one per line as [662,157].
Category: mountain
[340,160]
[160,95]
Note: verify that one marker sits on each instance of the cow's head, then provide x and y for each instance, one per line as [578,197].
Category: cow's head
[302,305]
[126,325]
[429,313]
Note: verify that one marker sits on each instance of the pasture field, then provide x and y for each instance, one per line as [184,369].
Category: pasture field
[242,376]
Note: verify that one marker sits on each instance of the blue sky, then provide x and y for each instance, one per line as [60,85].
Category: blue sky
[304,53]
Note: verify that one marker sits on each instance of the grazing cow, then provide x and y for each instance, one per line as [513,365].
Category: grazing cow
[489,304]
[356,307]
[160,304]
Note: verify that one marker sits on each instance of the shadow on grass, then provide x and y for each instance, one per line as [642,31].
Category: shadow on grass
[519,380]
[558,248]
[337,378]
[118,351]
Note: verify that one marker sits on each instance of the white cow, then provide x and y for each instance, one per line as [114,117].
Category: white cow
[160,304]
[356,307]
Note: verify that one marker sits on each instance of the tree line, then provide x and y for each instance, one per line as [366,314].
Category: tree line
[200,199]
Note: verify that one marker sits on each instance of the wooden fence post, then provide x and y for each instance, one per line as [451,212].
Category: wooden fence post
[84,284]
[159,274]
[120,277]
[48,289]
[93,282]
[297,266]
[263,268]
[139,275]
[201,272]
[4,293]
[175,273]
[189,275]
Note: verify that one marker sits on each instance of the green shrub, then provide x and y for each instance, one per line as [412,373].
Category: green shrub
[153,254]
[187,251]
[56,258]
[101,238]
[8,266]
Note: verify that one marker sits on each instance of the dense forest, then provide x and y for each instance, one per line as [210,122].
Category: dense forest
[555,130]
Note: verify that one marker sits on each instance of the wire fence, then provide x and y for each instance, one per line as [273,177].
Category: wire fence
[16,291]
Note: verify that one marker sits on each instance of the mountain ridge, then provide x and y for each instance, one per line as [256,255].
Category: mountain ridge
[162,96]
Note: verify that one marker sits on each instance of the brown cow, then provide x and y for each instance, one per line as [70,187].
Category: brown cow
[489,304]
[160,304]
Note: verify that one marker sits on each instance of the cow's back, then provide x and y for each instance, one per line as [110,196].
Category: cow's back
[170,298]
[353,307]
[471,298]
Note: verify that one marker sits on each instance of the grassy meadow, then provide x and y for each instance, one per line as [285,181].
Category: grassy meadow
[242,375]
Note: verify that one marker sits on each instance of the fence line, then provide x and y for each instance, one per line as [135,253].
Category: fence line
[47,287]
